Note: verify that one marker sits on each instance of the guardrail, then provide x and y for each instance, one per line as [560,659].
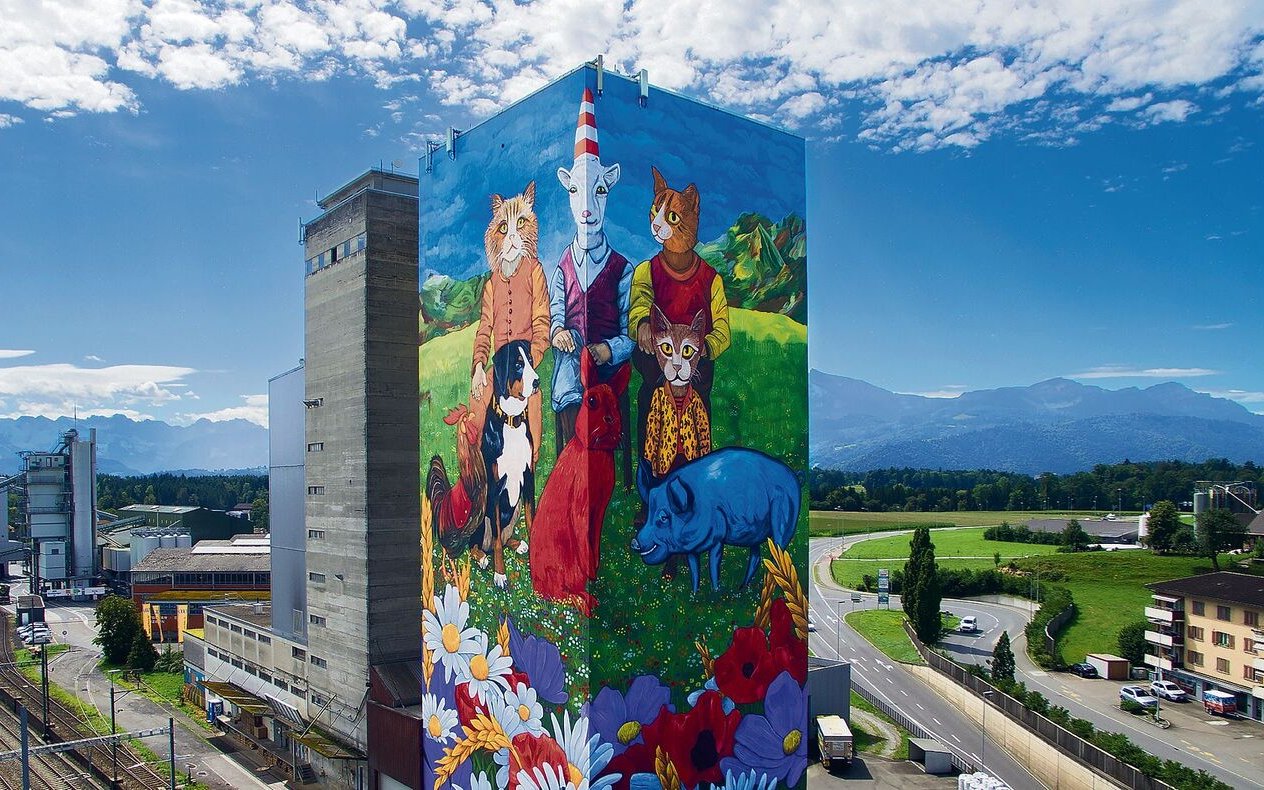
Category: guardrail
[916,730]
[1049,731]
[1055,625]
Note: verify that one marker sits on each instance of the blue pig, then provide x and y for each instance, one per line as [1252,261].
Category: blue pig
[733,496]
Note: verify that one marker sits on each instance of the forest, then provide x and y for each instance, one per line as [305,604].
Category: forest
[1127,486]
[217,492]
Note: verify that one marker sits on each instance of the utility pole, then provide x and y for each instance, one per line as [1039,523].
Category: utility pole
[44,683]
[171,744]
[26,750]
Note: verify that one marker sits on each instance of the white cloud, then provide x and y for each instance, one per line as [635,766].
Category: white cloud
[1211,327]
[254,409]
[1131,372]
[13,353]
[920,75]
[58,390]
[947,391]
[7,120]
[1251,399]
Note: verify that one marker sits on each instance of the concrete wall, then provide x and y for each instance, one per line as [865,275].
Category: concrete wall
[287,448]
[362,493]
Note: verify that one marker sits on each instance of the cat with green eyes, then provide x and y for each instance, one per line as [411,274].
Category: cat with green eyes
[674,287]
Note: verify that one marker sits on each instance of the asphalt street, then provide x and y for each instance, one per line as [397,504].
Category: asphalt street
[1230,750]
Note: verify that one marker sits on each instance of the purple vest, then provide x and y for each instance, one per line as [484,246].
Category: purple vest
[595,313]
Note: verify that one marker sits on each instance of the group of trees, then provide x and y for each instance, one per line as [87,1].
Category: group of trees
[922,594]
[1124,486]
[1213,531]
[122,637]
[217,492]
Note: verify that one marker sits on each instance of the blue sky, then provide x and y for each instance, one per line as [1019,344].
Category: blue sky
[996,194]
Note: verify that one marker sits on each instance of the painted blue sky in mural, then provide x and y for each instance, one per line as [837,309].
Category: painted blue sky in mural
[996,194]
[691,144]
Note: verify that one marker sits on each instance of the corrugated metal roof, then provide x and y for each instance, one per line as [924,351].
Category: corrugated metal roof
[183,559]
[238,696]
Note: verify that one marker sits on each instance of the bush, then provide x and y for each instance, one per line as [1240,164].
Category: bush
[1056,600]
[143,655]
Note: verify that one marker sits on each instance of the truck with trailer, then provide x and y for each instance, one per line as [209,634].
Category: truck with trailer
[834,740]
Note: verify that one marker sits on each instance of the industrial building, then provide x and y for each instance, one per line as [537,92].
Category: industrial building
[57,497]
[127,540]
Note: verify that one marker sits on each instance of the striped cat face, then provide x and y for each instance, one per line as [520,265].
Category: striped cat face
[678,347]
[674,215]
[513,231]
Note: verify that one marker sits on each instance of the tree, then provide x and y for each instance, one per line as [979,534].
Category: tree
[170,661]
[1132,642]
[1164,524]
[259,512]
[1074,538]
[921,595]
[1003,659]
[1217,530]
[142,655]
[118,622]
[918,548]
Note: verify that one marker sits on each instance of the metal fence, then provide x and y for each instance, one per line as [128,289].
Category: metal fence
[1064,740]
[1054,626]
[916,730]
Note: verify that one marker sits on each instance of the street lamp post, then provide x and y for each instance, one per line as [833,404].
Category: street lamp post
[987,701]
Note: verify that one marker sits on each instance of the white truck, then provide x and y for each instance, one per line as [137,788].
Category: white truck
[833,738]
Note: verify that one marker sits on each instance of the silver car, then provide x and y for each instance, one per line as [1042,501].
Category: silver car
[1139,695]
[1167,690]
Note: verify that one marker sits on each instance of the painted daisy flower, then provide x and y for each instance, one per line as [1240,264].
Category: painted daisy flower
[437,719]
[479,781]
[487,672]
[585,758]
[452,644]
[521,711]
[749,781]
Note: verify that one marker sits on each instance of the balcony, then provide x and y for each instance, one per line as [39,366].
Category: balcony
[1159,638]
[1159,662]
[1258,664]
[1161,615]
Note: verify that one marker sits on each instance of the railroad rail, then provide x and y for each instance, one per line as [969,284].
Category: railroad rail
[85,767]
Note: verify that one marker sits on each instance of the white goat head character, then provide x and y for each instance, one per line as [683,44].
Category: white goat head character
[588,182]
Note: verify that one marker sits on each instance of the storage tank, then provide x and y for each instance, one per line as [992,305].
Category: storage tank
[184,540]
[1202,502]
[167,541]
[142,544]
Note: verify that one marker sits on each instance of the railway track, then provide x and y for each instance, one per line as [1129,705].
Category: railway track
[86,766]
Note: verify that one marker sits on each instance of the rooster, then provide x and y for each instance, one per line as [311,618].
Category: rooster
[458,510]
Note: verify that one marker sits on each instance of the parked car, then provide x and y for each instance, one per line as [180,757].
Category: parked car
[1083,669]
[1220,702]
[811,623]
[1138,694]
[968,625]
[1167,690]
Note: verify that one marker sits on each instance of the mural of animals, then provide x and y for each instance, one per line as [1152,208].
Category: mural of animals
[560,646]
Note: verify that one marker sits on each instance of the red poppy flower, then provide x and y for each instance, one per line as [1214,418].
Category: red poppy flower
[467,705]
[696,741]
[534,751]
[791,651]
[744,671]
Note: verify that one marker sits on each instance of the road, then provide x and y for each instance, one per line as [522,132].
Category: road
[1233,751]
[896,685]
[76,670]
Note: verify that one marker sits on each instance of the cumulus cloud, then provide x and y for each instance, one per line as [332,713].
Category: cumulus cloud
[918,75]
[947,391]
[13,353]
[1132,372]
[254,408]
[1253,400]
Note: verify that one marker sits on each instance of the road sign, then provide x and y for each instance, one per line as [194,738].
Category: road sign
[883,598]
[884,580]
[855,598]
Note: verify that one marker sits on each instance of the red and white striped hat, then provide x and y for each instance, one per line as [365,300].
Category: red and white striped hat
[586,127]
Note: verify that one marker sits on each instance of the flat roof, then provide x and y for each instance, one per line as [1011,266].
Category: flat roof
[1240,588]
[243,612]
[184,560]
[171,509]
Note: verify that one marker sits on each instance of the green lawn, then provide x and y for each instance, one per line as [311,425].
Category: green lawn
[884,628]
[827,523]
[1109,592]
[964,548]
[866,742]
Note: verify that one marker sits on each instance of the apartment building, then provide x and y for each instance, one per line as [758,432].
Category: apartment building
[1207,632]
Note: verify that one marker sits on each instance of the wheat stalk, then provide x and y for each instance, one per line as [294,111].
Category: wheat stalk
[667,776]
[708,663]
[463,578]
[427,664]
[484,733]
[763,614]
[781,567]
[427,555]
[502,637]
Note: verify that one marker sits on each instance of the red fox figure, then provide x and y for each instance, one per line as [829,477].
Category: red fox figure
[566,541]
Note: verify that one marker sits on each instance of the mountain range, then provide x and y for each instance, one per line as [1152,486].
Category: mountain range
[129,447]
[1056,426]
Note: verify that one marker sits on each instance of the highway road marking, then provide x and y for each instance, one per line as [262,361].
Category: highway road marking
[889,680]
[937,721]
[919,706]
[954,737]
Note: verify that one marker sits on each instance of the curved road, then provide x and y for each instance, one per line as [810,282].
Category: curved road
[1230,751]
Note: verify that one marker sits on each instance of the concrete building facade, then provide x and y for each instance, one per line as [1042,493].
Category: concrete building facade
[58,503]
[287,447]
[362,494]
[1207,633]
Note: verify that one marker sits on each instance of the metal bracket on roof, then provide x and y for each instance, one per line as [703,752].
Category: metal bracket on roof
[452,135]
[644,79]
[431,147]
[601,73]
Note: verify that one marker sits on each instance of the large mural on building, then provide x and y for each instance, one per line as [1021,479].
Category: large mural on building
[613,400]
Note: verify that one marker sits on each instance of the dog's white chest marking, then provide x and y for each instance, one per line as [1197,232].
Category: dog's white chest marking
[514,459]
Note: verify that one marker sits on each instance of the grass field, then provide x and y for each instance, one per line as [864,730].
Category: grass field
[826,523]
[867,742]
[884,628]
[1108,586]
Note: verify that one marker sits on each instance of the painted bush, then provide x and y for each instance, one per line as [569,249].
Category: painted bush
[614,428]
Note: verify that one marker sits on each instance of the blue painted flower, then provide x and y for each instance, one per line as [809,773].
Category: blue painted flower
[541,661]
[618,718]
[711,685]
[775,743]
[752,780]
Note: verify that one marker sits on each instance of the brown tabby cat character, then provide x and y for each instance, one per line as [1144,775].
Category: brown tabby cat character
[683,287]
[515,307]
[677,427]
